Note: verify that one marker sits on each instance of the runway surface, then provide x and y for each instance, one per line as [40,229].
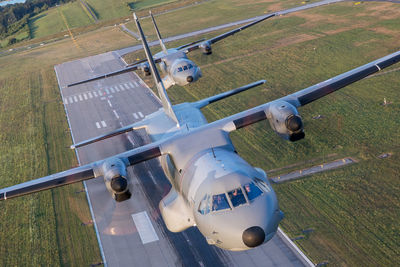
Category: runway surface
[132,232]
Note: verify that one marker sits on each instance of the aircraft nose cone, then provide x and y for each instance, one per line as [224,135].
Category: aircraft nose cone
[253,236]
[189,79]
[294,123]
[119,184]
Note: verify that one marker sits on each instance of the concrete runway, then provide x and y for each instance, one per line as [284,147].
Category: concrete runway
[101,106]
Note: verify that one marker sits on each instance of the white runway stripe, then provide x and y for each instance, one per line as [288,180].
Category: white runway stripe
[122,88]
[103,123]
[98,125]
[116,89]
[140,114]
[75,98]
[95,94]
[65,101]
[70,100]
[126,86]
[131,140]
[144,227]
[90,95]
[135,115]
[136,84]
[85,96]
[131,85]
[108,92]
[109,103]
[99,91]
[116,114]
[112,90]
[80,98]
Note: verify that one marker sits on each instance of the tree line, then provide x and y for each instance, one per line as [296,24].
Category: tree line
[15,17]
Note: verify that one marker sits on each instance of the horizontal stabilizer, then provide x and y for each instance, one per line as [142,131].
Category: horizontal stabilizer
[212,99]
[114,73]
[119,131]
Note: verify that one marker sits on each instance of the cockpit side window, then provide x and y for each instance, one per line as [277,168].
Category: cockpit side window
[180,69]
[237,198]
[252,191]
[190,66]
[185,67]
[262,185]
[204,207]
[219,202]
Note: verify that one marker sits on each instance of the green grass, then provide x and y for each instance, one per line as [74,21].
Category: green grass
[45,228]
[51,21]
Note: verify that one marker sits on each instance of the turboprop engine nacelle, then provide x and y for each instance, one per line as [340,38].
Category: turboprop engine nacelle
[114,173]
[285,120]
[145,68]
[206,48]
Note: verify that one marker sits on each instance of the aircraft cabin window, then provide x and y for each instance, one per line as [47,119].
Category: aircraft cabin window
[252,191]
[185,67]
[180,69]
[237,197]
[190,66]
[220,202]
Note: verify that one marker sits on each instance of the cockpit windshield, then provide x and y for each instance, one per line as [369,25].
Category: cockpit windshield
[186,67]
[252,191]
[237,198]
[219,202]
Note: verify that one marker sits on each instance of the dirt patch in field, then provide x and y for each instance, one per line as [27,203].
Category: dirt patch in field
[381,10]
[385,31]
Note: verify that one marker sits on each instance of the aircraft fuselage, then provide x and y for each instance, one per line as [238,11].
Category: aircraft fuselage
[205,176]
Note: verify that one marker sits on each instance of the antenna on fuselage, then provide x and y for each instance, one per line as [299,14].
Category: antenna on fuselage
[158,34]
[156,75]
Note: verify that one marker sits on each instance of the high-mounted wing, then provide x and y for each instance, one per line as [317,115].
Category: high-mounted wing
[207,44]
[307,95]
[82,173]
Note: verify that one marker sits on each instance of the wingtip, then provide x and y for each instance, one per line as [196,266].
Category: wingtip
[72,147]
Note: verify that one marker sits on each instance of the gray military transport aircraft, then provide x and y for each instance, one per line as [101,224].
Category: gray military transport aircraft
[173,62]
[231,202]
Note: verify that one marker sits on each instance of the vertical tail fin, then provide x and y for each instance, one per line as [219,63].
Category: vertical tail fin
[156,75]
[158,34]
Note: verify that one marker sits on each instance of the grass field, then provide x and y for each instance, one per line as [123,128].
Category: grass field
[354,211]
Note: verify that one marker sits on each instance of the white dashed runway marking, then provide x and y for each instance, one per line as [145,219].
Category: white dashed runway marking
[140,114]
[84,96]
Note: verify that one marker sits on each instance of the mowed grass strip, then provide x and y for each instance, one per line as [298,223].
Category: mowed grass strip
[354,210]
[44,228]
